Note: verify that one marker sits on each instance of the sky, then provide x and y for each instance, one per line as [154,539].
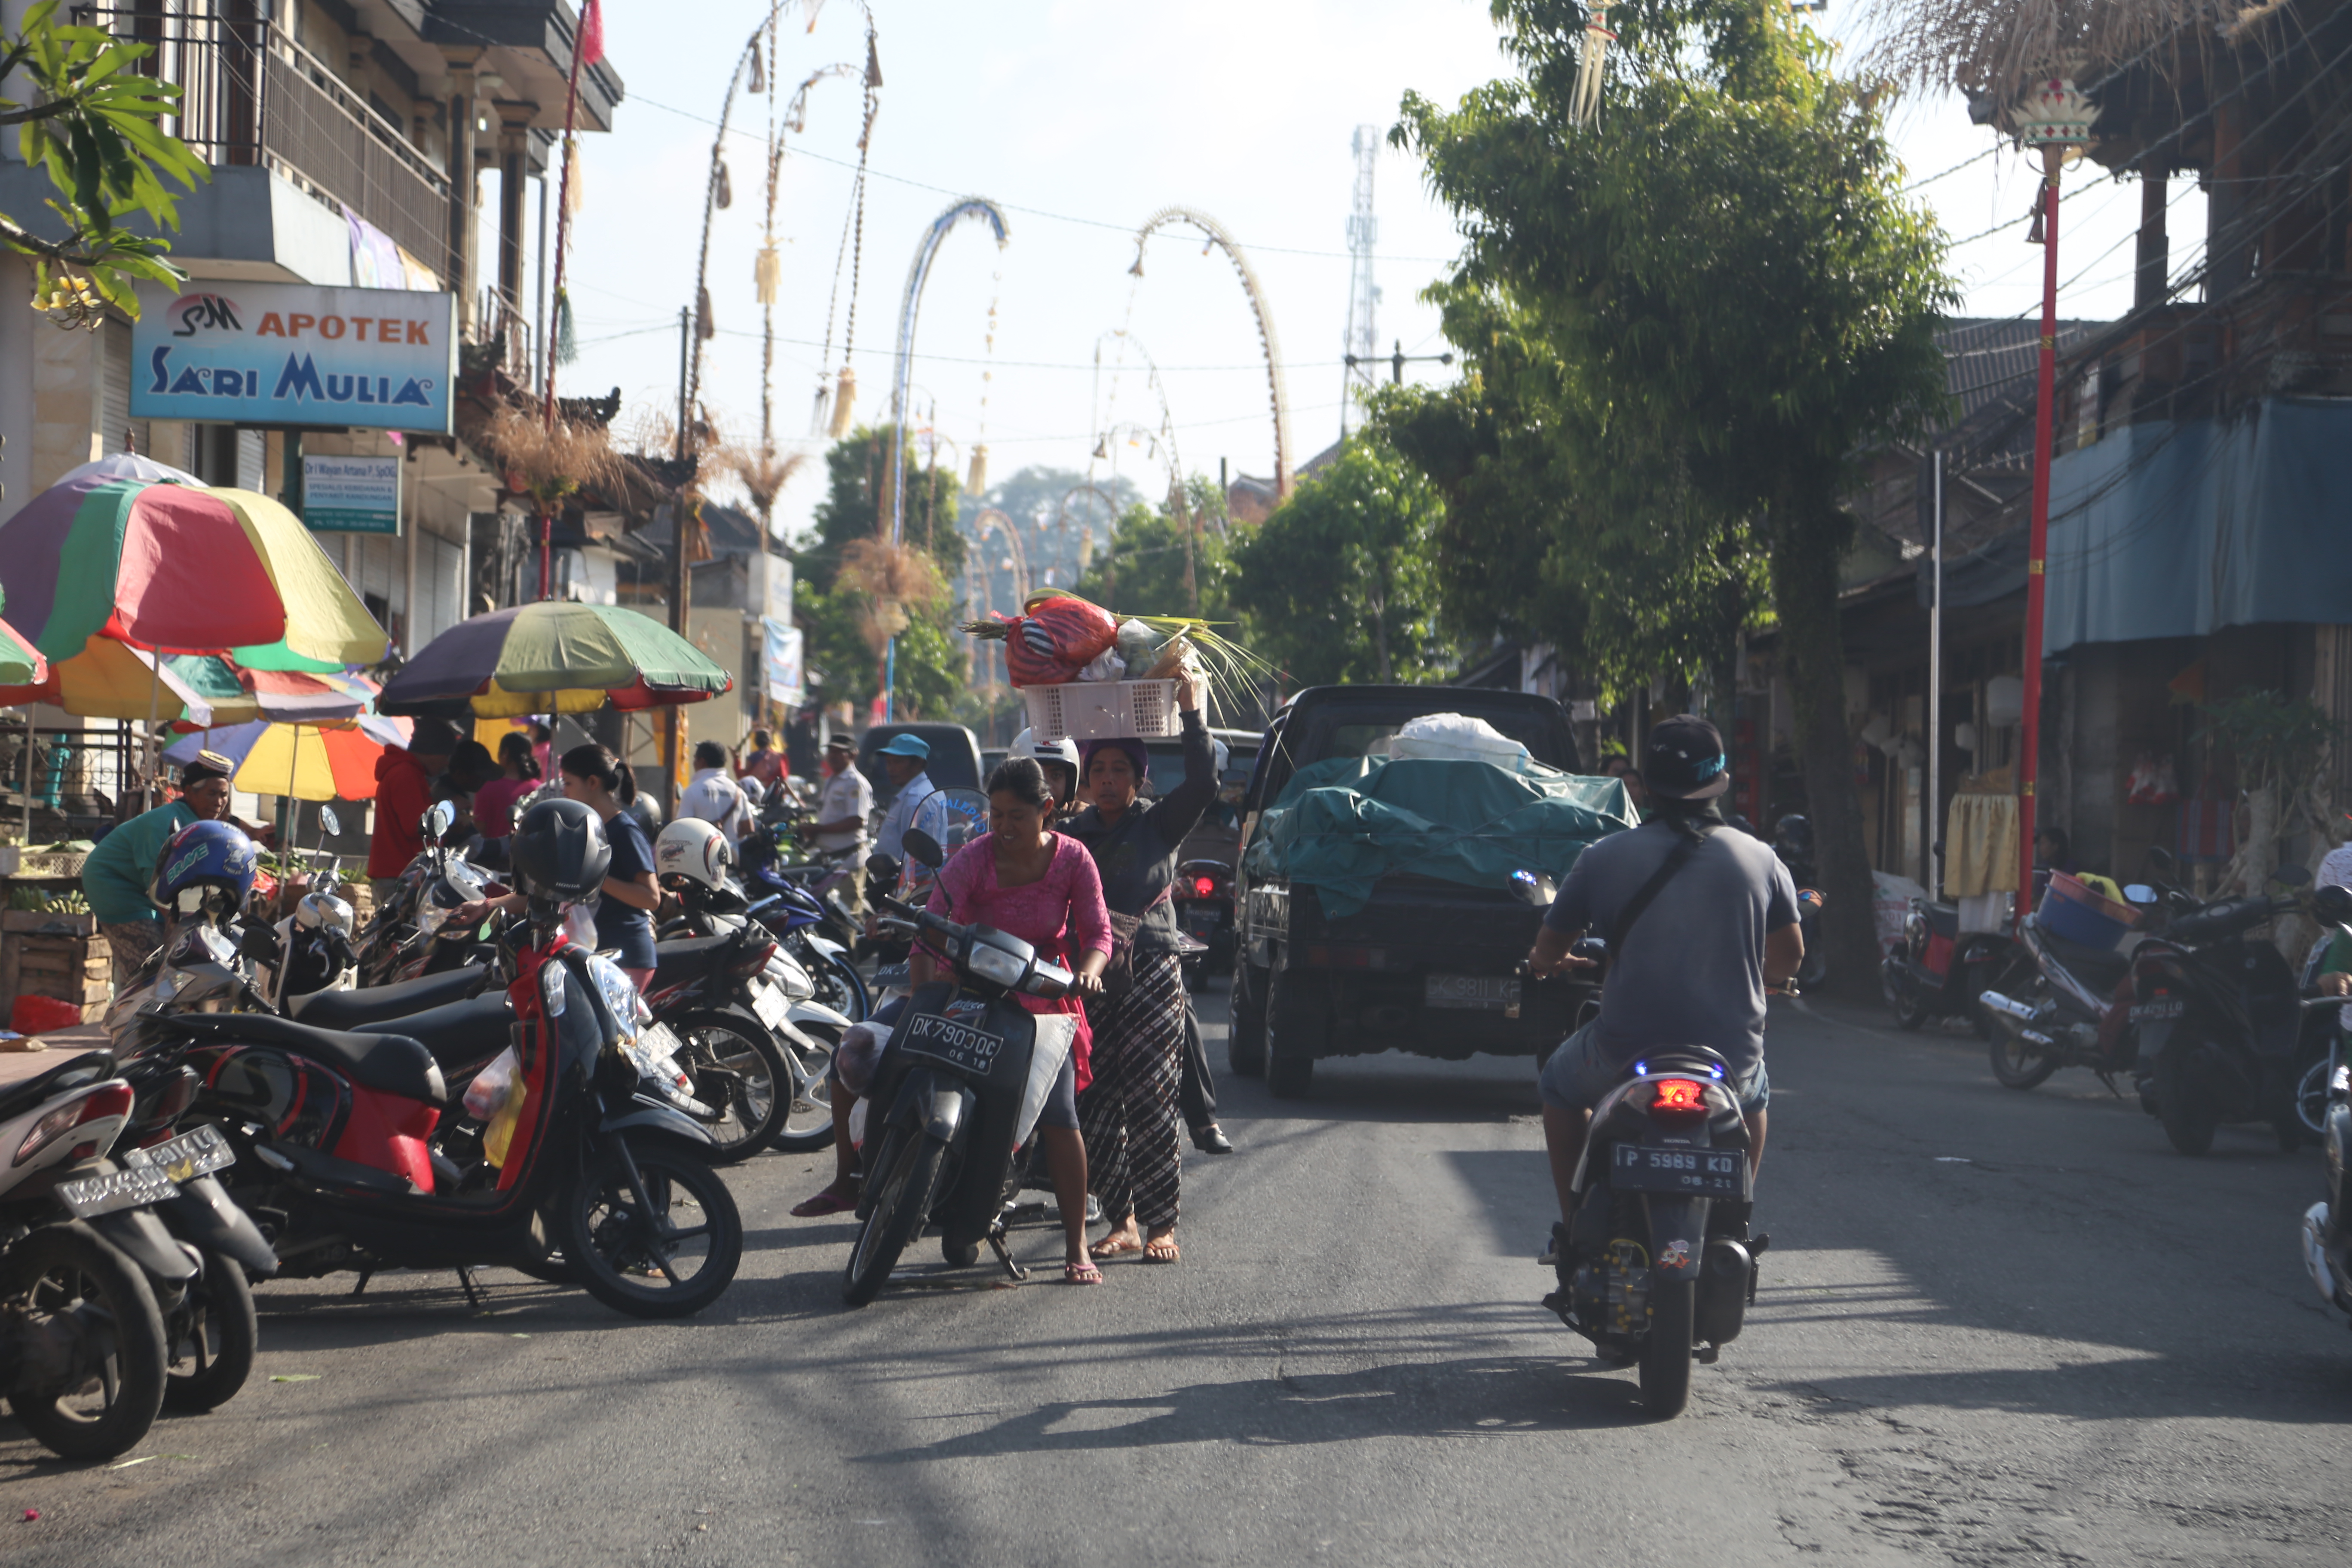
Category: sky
[1080,120]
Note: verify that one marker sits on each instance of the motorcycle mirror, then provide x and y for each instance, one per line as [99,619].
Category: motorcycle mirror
[2160,861]
[2292,876]
[881,868]
[2333,905]
[330,822]
[442,817]
[924,848]
[2140,893]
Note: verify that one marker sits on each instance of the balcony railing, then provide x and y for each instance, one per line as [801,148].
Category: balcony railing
[250,95]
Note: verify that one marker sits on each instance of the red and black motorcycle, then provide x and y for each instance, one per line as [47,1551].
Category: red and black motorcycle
[574,1155]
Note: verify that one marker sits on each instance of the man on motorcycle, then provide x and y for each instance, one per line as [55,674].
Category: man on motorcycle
[1701,922]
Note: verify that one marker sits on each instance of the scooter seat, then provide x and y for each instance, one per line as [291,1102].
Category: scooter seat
[1660,1059]
[394,1064]
[688,958]
[375,1004]
[2098,968]
[1943,919]
[461,1036]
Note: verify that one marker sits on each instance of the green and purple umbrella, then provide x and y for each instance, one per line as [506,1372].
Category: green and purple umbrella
[555,656]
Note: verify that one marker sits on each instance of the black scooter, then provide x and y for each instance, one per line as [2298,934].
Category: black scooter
[1939,972]
[2220,1019]
[956,1093]
[1655,1267]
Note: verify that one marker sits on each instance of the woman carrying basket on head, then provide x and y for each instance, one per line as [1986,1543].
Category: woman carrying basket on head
[1133,1132]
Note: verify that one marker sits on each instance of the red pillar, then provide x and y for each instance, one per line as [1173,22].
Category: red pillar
[2038,534]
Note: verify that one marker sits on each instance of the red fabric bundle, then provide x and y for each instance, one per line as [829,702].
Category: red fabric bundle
[1060,635]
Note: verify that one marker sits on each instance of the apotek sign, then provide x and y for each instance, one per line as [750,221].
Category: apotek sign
[290,354]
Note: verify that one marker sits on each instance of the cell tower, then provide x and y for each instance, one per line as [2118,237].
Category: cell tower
[1363,295]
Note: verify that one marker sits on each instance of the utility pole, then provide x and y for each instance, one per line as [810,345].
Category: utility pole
[1363,295]
[682,580]
[1400,359]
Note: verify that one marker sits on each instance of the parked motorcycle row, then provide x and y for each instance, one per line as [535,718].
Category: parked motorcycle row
[2206,1021]
[301,1098]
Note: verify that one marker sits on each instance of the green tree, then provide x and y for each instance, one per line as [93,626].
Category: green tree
[1142,571]
[1739,302]
[94,125]
[855,496]
[856,593]
[1341,583]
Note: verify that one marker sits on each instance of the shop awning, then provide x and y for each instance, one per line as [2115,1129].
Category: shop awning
[2177,528]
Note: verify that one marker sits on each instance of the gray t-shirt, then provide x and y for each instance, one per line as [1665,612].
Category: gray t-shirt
[1692,971]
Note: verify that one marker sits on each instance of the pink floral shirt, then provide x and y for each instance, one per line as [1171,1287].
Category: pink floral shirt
[1061,914]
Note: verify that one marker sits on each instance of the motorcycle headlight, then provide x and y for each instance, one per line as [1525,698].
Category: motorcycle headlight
[791,977]
[431,918]
[996,964]
[628,1009]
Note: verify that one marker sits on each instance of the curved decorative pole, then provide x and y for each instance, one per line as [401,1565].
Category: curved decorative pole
[983,209]
[990,520]
[1226,242]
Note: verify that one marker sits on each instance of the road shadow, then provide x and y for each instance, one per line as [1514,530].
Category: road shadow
[1472,1397]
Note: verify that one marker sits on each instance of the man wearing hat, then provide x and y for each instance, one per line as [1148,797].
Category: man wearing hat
[118,873]
[1701,922]
[916,804]
[840,812]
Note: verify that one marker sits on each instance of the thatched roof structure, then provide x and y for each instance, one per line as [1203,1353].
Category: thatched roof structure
[1991,49]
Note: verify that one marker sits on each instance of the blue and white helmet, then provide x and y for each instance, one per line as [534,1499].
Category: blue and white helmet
[205,855]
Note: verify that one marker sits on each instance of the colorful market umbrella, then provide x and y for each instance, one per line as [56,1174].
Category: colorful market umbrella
[180,569]
[21,663]
[308,762]
[109,681]
[555,656]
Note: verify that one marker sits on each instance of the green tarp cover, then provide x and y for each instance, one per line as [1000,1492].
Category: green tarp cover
[1343,825]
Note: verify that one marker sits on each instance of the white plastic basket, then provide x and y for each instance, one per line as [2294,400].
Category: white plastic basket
[1102,709]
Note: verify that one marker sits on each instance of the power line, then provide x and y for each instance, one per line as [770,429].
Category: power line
[1127,229]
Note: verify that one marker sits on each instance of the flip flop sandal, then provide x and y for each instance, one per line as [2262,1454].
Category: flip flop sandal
[1114,1246]
[1164,1251]
[1081,1274]
[823,1204]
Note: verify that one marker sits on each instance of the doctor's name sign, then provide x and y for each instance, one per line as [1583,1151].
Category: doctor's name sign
[292,354]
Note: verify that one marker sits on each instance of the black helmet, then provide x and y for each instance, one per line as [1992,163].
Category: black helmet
[1792,835]
[559,849]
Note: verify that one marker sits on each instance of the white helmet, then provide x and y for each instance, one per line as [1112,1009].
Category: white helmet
[694,849]
[1063,750]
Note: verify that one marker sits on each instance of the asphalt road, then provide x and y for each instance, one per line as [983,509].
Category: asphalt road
[1994,1328]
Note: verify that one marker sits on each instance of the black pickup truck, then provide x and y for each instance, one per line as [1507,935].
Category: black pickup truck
[1427,966]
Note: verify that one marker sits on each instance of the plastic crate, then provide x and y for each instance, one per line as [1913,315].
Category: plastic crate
[1102,709]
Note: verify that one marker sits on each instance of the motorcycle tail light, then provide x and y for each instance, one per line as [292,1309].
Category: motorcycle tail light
[755,961]
[108,1100]
[1203,886]
[1678,1096]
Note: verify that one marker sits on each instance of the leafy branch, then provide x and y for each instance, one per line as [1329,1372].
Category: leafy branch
[95,126]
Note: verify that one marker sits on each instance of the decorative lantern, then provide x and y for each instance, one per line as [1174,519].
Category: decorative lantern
[1584,106]
[2054,112]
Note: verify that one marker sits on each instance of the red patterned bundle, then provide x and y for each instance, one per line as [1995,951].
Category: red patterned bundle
[1058,635]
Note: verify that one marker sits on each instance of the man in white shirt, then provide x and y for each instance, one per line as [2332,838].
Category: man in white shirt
[713,794]
[842,808]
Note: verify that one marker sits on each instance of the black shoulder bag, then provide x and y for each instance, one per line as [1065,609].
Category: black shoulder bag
[1639,904]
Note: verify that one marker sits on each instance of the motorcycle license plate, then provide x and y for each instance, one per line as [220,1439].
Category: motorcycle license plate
[1476,992]
[133,1186]
[198,1152]
[768,1001]
[2157,1008]
[1201,919]
[1700,1173]
[959,1046]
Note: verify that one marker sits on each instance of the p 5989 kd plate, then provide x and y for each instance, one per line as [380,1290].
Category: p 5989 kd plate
[1700,1173]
